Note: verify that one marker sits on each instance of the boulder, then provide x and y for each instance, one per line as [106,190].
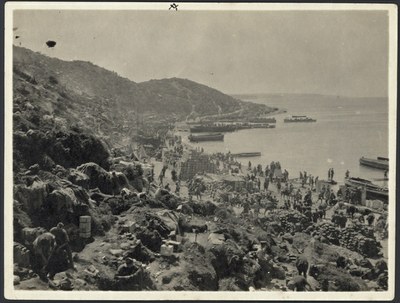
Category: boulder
[381,266]
[17,280]
[228,258]
[116,252]
[21,255]
[356,271]
[47,163]
[61,200]
[229,284]
[216,239]
[278,272]
[98,177]
[382,280]
[288,237]
[169,218]
[118,204]
[23,272]
[34,169]
[60,171]
[32,197]
[125,246]
[365,263]
[203,277]
[78,178]
[370,274]
[186,209]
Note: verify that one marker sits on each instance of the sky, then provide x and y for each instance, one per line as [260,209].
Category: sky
[319,52]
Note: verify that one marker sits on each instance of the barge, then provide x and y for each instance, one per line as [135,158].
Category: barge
[206,137]
[245,155]
[206,128]
[379,162]
[373,191]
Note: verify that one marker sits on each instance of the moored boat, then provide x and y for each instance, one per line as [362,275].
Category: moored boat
[379,163]
[299,119]
[373,191]
[262,120]
[206,137]
[246,125]
[212,128]
[262,125]
[249,154]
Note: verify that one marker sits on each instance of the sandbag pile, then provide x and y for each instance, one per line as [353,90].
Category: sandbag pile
[291,220]
[357,239]
[368,247]
[365,230]
[329,231]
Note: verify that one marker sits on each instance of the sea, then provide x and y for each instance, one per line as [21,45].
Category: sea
[346,130]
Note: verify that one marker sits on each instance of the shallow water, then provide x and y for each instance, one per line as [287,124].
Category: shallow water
[346,129]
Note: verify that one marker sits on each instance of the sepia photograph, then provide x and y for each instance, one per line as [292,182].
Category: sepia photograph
[200,151]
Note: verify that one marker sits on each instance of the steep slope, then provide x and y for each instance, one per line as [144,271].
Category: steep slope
[190,97]
[83,78]
[178,96]
[52,95]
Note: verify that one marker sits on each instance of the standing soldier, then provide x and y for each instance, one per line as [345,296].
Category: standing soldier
[266,183]
[174,175]
[62,243]
[278,185]
[266,171]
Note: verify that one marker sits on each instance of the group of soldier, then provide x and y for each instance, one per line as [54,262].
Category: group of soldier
[51,252]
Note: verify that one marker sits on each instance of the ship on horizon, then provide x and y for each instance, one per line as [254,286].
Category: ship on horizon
[299,119]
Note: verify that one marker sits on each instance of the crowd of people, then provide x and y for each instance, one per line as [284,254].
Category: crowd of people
[270,188]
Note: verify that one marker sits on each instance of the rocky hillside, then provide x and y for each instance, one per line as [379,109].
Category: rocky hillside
[54,94]
[182,95]
[65,114]
[179,96]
